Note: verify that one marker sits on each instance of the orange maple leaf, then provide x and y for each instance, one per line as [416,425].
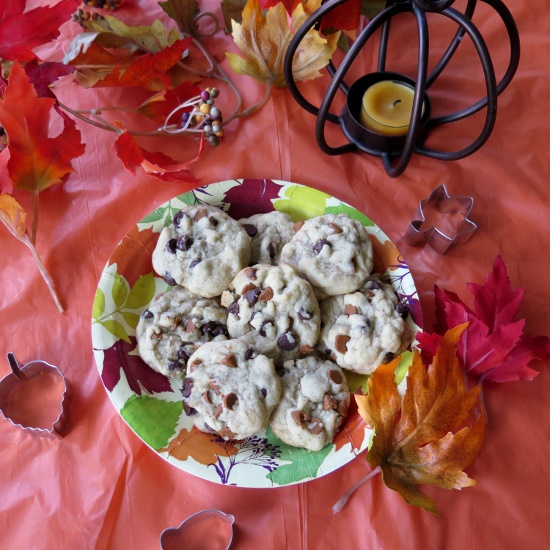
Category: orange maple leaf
[424,438]
[385,255]
[133,255]
[36,161]
[146,68]
[198,445]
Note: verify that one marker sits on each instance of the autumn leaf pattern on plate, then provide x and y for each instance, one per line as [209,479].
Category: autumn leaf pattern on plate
[151,404]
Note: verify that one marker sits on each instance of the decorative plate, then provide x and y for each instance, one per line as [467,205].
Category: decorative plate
[151,404]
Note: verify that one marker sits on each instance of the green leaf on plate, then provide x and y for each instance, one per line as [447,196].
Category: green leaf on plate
[188,198]
[302,203]
[305,464]
[115,328]
[99,304]
[131,318]
[154,216]
[142,292]
[351,212]
[403,367]
[357,381]
[120,290]
[154,420]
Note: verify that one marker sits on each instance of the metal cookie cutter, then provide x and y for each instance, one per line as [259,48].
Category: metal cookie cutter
[212,529]
[35,398]
[454,211]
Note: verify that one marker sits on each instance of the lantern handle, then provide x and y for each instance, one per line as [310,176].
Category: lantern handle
[462,20]
[323,112]
[311,22]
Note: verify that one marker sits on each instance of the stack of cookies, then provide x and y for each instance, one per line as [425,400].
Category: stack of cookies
[265,317]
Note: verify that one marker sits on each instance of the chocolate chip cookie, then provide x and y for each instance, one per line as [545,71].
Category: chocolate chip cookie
[314,403]
[366,328]
[269,233]
[333,252]
[202,250]
[273,309]
[230,389]
[175,324]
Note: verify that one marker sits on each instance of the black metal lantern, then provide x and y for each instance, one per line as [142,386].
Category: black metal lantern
[400,142]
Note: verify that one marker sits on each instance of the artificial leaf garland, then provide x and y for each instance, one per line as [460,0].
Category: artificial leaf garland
[34,161]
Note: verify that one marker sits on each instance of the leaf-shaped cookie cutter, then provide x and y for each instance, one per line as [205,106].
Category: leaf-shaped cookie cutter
[18,376]
[445,204]
[168,538]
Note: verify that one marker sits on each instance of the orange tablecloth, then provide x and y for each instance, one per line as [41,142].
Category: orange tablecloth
[101,487]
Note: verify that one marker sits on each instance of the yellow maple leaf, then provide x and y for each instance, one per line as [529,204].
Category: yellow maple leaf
[264,42]
[13,215]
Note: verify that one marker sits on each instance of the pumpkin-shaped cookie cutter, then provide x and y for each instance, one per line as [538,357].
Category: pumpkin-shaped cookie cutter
[214,525]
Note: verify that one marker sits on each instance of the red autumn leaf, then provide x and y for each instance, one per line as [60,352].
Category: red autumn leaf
[156,164]
[160,105]
[146,68]
[495,303]
[43,75]
[6,185]
[22,31]
[345,17]
[37,161]
[288,4]
[494,347]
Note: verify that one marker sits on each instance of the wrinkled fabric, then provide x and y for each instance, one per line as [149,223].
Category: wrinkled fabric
[101,487]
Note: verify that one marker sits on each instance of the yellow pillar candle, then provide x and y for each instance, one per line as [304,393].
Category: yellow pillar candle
[387,108]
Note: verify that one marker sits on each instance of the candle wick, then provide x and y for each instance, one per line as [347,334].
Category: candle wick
[396,102]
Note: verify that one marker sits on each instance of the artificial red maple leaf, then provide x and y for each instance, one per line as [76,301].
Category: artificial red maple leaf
[288,4]
[345,17]
[43,75]
[36,161]
[22,31]
[494,347]
[424,438]
[6,185]
[146,68]
[156,164]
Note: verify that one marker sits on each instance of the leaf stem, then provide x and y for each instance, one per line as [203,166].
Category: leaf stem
[258,106]
[346,496]
[41,267]
[34,227]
